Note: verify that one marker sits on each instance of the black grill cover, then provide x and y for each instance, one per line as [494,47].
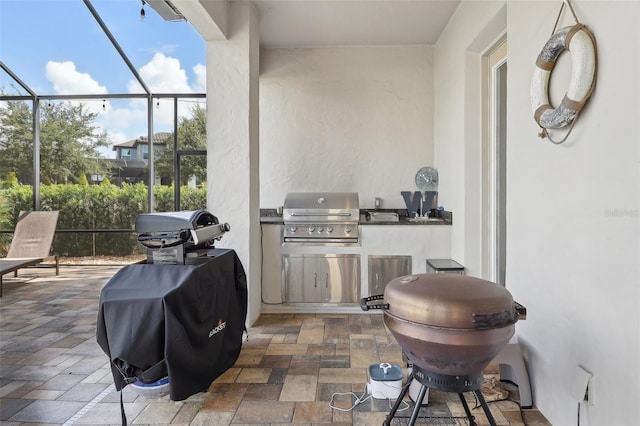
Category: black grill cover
[184,321]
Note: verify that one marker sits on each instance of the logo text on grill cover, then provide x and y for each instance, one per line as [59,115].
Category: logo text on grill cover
[218,328]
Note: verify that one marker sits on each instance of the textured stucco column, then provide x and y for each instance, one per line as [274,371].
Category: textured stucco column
[233,192]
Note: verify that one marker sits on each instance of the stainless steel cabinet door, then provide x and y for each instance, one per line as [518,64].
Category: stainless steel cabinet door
[383,269]
[321,278]
[302,283]
[341,275]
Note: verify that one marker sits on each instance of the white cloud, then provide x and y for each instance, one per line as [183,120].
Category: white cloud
[130,114]
[201,78]
[117,138]
[163,74]
[127,119]
[67,80]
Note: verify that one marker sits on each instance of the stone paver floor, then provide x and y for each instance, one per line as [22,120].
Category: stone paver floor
[52,371]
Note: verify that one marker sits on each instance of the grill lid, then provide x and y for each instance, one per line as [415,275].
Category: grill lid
[168,229]
[172,221]
[450,301]
[310,207]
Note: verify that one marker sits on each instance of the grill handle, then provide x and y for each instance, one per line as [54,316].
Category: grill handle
[365,306]
[521,311]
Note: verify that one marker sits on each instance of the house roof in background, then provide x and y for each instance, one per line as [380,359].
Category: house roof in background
[160,138]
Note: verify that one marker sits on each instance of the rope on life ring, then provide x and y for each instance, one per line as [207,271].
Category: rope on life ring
[581,43]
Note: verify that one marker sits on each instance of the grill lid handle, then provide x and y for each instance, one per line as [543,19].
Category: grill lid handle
[365,306]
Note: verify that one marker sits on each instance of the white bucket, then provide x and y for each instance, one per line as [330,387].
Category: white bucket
[385,381]
[152,390]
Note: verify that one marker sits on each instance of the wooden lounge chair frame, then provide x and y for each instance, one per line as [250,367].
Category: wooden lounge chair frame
[31,243]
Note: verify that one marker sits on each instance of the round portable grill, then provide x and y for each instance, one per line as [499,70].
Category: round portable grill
[450,327]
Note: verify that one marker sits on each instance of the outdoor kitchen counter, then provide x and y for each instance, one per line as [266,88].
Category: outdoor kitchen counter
[282,263]
[271,216]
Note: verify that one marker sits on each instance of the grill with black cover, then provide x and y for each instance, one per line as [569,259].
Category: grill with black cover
[181,321]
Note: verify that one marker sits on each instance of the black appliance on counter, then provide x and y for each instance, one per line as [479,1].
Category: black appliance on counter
[178,237]
[184,322]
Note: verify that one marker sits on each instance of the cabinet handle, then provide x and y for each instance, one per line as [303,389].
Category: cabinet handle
[315,279]
[377,281]
[326,281]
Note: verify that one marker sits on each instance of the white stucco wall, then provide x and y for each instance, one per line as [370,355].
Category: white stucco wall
[345,119]
[577,265]
[474,27]
[233,142]
[573,211]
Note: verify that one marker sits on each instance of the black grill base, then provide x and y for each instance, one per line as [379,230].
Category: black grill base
[445,383]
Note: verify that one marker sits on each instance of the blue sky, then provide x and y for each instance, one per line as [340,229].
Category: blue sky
[57,47]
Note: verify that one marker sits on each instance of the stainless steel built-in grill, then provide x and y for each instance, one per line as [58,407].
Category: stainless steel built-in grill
[321,217]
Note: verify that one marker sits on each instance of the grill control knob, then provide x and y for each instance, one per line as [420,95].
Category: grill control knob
[347,229]
[320,228]
[293,229]
[329,229]
[311,229]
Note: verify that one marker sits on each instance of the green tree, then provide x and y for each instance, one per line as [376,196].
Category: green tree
[69,142]
[16,140]
[11,179]
[192,135]
[82,180]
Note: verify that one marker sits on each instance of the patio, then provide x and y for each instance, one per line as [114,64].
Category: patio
[53,372]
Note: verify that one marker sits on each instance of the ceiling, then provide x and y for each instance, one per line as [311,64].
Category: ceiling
[315,23]
[302,23]
[289,23]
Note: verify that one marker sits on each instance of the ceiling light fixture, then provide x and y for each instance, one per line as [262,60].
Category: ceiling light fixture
[167,10]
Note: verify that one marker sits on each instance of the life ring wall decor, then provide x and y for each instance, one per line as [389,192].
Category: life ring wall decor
[581,43]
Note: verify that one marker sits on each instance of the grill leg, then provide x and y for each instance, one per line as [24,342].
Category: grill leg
[467,411]
[485,407]
[392,413]
[416,410]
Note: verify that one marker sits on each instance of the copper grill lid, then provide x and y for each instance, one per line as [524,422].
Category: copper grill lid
[450,301]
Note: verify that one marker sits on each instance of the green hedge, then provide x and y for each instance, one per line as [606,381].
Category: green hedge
[86,207]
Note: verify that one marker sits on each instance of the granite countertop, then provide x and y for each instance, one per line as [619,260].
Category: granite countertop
[271,216]
[403,219]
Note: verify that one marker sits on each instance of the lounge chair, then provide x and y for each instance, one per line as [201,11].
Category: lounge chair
[31,243]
